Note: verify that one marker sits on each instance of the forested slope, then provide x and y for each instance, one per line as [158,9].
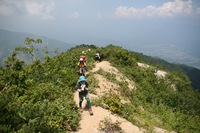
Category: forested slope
[39,97]
[192,73]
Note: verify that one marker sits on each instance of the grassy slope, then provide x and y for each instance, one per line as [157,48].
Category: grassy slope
[153,104]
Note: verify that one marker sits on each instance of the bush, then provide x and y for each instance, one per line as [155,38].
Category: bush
[108,126]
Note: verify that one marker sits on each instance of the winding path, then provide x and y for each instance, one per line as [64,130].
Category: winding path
[90,124]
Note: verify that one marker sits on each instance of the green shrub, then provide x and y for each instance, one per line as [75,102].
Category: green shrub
[108,126]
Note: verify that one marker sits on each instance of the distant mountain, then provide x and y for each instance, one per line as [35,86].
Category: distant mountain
[192,72]
[174,54]
[9,40]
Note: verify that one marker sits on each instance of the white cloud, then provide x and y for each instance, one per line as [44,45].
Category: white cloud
[198,11]
[34,8]
[40,9]
[47,17]
[5,10]
[75,15]
[8,7]
[177,7]
[99,16]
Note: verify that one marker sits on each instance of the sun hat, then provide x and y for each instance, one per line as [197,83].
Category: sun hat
[81,78]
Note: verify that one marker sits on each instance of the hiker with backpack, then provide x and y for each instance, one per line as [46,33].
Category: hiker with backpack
[82,87]
[97,56]
[82,66]
[83,57]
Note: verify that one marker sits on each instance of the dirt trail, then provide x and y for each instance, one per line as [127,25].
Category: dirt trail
[90,124]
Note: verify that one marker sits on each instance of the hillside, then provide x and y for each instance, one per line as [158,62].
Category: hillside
[9,40]
[40,97]
[91,124]
[192,73]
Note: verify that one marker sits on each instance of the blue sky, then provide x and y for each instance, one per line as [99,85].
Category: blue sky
[129,23]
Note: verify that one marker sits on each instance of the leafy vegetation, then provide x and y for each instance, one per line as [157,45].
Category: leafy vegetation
[38,97]
[192,73]
[170,102]
[108,126]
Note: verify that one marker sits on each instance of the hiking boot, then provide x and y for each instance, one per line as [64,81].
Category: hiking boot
[90,111]
[81,110]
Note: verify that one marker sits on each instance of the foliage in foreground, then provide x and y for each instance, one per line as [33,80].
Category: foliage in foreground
[108,126]
[38,97]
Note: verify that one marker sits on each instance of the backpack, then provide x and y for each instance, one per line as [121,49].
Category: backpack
[84,58]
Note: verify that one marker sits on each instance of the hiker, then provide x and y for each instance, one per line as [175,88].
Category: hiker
[97,56]
[82,66]
[84,58]
[82,87]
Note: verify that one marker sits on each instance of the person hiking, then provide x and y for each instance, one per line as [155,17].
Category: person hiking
[82,87]
[82,66]
[83,57]
[97,56]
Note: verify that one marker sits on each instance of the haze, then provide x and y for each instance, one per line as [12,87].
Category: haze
[134,24]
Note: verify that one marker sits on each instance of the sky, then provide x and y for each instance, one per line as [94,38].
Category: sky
[128,23]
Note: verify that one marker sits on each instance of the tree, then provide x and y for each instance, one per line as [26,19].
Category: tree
[29,49]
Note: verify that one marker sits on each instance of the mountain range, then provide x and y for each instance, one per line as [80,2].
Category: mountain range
[9,40]
[172,53]
[188,55]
